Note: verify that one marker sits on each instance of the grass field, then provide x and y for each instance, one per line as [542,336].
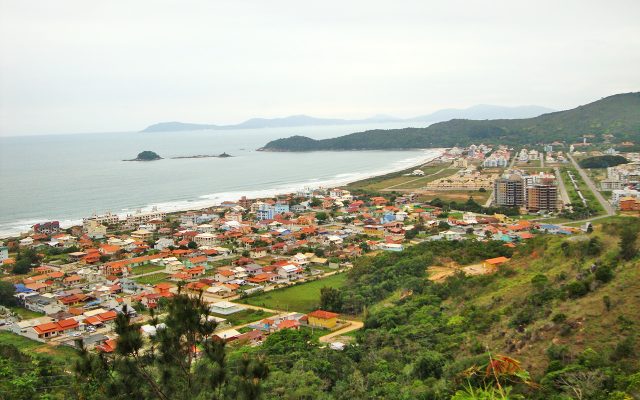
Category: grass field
[25,314]
[454,195]
[303,298]
[586,192]
[378,183]
[61,354]
[143,269]
[419,182]
[153,278]
[244,317]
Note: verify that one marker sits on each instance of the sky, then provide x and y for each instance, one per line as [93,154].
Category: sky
[71,66]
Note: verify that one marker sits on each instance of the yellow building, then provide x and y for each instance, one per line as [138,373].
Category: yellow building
[374,230]
[324,319]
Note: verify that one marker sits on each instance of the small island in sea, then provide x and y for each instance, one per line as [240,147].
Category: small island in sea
[146,156]
[223,155]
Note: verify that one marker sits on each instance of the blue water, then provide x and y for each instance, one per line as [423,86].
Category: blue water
[68,177]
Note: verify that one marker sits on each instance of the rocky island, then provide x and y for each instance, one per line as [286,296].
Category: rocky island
[223,155]
[146,156]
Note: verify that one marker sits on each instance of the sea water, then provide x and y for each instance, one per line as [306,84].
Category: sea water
[68,177]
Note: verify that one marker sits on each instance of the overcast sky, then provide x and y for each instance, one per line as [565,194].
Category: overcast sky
[102,66]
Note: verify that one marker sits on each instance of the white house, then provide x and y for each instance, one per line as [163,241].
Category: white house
[4,253]
[163,243]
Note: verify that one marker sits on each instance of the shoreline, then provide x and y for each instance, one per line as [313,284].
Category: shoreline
[215,199]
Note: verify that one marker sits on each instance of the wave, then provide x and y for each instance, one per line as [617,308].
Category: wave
[15,228]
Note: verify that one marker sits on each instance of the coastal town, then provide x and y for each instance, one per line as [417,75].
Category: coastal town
[261,264]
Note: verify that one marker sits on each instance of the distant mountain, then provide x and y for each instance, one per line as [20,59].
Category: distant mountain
[476,112]
[484,111]
[618,115]
[177,126]
[257,123]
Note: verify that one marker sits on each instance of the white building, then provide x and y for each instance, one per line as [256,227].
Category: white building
[94,229]
[4,253]
[616,195]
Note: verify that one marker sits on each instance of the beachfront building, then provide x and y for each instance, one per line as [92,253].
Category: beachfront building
[104,219]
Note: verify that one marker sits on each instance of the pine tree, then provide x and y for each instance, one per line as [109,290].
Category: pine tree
[182,361]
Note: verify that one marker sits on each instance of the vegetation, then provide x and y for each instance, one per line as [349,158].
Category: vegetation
[244,317]
[617,115]
[424,340]
[304,297]
[7,290]
[602,161]
[148,156]
[152,279]
[181,361]
[559,321]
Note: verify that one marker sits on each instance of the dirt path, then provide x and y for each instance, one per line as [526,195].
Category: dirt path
[353,326]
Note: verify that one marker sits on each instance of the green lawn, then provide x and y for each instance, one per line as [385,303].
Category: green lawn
[586,192]
[25,314]
[377,183]
[244,317]
[153,278]
[62,354]
[143,269]
[303,298]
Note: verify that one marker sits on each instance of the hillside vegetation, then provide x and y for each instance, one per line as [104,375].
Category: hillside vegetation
[602,161]
[618,115]
[558,322]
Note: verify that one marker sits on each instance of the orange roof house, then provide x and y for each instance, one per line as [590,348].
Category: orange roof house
[109,346]
[325,319]
[493,263]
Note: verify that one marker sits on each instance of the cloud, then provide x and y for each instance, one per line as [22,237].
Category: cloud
[77,66]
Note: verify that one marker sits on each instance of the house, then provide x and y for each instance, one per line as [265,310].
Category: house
[163,243]
[324,319]
[50,329]
[227,335]
[253,337]
[205,239]
[142,234]
[491,264]
[225,308]
[4,253]
[258,252]
[224,275]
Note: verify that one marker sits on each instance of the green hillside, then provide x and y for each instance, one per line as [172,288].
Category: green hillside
[562,317]
[618,115]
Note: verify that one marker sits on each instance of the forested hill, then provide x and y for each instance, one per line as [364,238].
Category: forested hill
[618,115]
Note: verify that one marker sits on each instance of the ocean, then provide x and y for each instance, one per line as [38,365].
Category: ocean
[68,177]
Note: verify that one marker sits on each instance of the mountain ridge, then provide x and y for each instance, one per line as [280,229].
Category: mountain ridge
[481,111]
[617,114]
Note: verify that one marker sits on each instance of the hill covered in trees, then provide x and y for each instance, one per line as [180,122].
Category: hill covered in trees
[618,115]
[559,321]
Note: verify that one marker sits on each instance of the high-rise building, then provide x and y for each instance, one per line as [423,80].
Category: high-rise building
[542,197]
[509,190]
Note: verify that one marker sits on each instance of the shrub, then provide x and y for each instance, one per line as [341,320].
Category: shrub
[604,274]
[577,289]
[559,318]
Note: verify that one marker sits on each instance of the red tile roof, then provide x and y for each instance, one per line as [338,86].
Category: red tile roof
[323,314]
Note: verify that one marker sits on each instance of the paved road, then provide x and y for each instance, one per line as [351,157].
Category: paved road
[490,199]
[585,177]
